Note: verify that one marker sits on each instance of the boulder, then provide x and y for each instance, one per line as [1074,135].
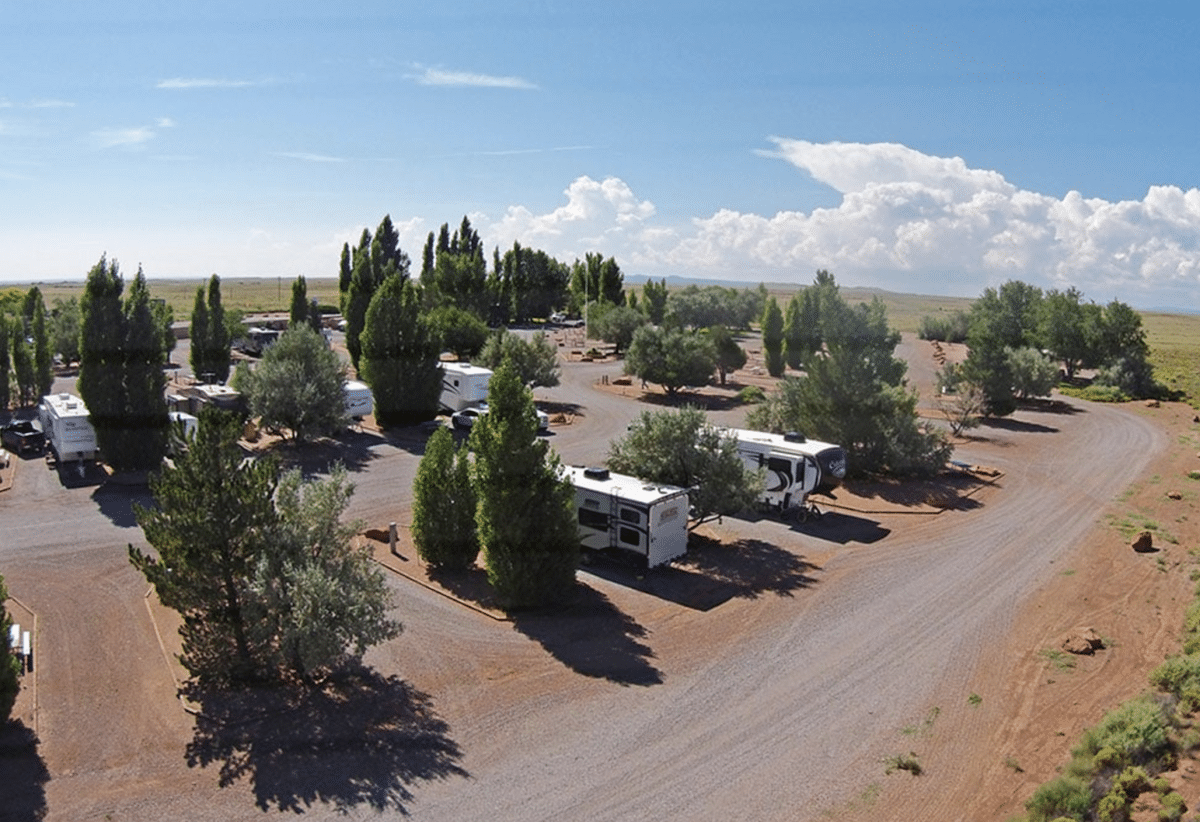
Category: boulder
[1082,641]
[1174,495]
[1144,542]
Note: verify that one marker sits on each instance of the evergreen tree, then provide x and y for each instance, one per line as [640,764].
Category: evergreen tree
[772,336]
[65,330]
[358,297]
[345,269]
[212,517]
[23,367]
[43,349]
[137,439]
[10,665]
[793,333]
[444,505]
[400,355]
[101,380]
[654,300]
[298,313]
[200,336]
[5,360]
[219,338]
[526,510]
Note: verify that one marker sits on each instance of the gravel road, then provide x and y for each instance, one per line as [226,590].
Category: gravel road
[773,705]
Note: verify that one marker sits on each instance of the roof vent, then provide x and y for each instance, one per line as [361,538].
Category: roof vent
[596,473]
[794,436]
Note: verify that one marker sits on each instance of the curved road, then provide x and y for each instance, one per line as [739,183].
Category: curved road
[769,706]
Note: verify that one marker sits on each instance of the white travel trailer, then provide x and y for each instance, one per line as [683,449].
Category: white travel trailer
[463,385]
[794,467]
[359,400]
[618,511]
[68,429]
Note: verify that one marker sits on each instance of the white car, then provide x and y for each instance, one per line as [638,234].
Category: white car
[466,418]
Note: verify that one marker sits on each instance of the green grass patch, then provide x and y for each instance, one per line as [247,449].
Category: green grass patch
[975,699]
[903,762]
[1061,660]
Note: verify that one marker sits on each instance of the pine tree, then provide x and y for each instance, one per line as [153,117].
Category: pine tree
[101,380]
[400,355]
[213,513]
[526,523]
[218,332]
[444,505]
[793,333]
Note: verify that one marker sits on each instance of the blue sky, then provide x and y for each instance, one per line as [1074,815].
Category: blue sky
[931,147]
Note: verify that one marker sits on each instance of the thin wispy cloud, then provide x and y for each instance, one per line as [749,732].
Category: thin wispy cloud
[512,152]
[204,82]
[122,137]
[51,104]
[442,77]
[309,157]
[165,122]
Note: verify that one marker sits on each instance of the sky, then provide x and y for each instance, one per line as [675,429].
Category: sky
[922,147]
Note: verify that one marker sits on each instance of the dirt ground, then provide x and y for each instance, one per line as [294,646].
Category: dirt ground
[468,696]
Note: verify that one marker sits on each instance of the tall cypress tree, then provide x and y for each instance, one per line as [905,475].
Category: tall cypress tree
[772,333]
[43,353]
[101,357]
[444,505]
[400,355]
[5,359]
[299,309]
[218,332]
[200,335]
[526,521]
[120,372]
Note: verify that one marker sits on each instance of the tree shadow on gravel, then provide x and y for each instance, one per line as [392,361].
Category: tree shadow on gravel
[952,490]
[593,637]
[748,568]
[359,739]
[116,502]
[23,774]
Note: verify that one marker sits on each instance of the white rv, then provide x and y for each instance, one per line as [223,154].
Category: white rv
[68,429]
[463,385]
[794,468]
[359,400]
[617,511]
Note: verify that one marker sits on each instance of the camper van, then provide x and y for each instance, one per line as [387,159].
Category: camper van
[618,511]
[794,467]
[463,385]
[68,429]
[359,401]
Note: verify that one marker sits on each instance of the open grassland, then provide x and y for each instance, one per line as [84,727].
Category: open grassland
[1175,351]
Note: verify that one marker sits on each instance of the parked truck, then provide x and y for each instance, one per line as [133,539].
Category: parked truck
[794,467]
[626,513]
[67,427]
[463,385]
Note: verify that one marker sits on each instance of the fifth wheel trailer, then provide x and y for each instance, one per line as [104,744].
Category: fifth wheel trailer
[794,466]
[618,511]
[67,426]
[464,385]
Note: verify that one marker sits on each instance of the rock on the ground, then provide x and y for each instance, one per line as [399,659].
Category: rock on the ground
[1082,641]
[1144,542]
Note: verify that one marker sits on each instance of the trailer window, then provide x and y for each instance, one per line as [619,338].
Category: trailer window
[630,536]
[630,515]
[593,519]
